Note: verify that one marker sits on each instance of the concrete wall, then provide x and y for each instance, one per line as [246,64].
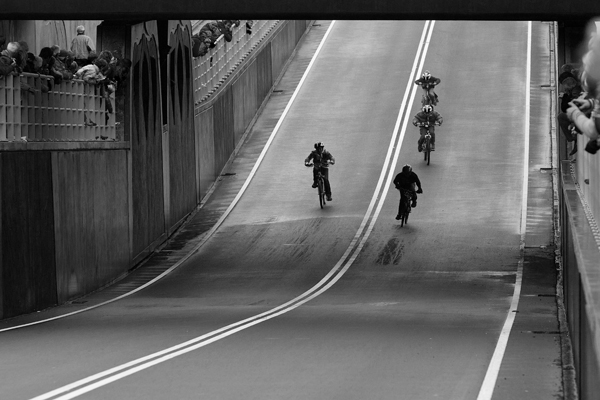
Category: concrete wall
[75,217]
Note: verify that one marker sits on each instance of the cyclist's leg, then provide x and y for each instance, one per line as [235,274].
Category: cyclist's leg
[400,206]
[421,138]
[314,185]
[414,199]
[432,131]
[325,172]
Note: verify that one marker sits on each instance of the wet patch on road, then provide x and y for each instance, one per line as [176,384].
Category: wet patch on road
[391,253]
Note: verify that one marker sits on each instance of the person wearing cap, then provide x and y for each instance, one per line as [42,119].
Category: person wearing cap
[571,91]
[81,46]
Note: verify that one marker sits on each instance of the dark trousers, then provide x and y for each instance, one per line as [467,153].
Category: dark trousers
[325,173]
[413,197]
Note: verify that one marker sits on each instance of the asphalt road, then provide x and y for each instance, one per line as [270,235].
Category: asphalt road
[286,300]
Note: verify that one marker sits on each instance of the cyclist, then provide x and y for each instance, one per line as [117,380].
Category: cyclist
[407,180]
[321,159]
[428,82]
[427,117]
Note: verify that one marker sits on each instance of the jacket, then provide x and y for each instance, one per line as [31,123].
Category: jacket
[407,181]
[319,159]
[431,118]
[428,83]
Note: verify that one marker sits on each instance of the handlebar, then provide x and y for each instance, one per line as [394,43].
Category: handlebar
[326,164]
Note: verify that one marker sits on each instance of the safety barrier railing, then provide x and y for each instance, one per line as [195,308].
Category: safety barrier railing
[70,111]
[211,70]
[586,171]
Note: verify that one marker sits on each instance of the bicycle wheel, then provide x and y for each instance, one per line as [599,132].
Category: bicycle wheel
[428,150]
[321,192]
[403,212]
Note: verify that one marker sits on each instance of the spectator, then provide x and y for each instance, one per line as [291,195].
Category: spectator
[579,108]
[33,64]
[91,73]
[210,33]
[8,65]
[53,67]
[21,56]
[68,59]
[571,90]
[81,46]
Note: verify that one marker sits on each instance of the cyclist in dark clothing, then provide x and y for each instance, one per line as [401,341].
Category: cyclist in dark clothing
[428,82]
[321,159]
[407,180]
[427,117]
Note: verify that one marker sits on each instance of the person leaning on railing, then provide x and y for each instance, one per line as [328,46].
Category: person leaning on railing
[210,33]
[8,64]
[585,112]
[571,90]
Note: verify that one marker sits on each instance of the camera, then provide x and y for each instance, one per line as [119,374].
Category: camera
[592,146]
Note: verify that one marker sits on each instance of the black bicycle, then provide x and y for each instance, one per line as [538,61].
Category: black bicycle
[426,145]
[405,206]
[320,184]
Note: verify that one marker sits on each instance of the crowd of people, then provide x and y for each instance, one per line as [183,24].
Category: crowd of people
[107,69]
[580,98]
[211,31]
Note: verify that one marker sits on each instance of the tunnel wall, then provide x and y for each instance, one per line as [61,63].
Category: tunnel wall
[75,217]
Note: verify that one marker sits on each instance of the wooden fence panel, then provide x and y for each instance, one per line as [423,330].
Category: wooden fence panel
[244,100]
[28,264]
[92,220]
[282,46]
[223,128]
[205,150]
[264,74]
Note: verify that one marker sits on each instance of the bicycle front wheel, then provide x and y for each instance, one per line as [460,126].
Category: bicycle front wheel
[321,193]
[428,151]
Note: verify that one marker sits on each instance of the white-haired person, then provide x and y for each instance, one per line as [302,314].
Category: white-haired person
[81,46]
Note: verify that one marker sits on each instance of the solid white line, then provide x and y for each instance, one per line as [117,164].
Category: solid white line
[489,382]
[210,232]
[325,283]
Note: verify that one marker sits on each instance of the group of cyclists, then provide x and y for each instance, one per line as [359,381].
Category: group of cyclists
[426,119]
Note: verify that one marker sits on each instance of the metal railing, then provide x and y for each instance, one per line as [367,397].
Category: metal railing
[586,171]
[71,111]
[212,69]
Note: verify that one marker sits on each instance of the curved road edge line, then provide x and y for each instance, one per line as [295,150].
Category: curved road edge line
[350,255]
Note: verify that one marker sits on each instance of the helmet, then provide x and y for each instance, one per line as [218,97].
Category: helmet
[427,109]
[426,75]
[407,168]
[319,144]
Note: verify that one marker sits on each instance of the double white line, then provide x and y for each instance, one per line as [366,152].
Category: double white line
[96,381]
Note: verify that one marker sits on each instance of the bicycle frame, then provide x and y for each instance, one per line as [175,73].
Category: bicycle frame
[320,183]
[405,207]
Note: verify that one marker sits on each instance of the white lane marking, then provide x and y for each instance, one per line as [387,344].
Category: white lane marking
[489,382]
[210,232]
[326,282]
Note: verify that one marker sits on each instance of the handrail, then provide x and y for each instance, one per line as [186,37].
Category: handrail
[71,111]
[211,70]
